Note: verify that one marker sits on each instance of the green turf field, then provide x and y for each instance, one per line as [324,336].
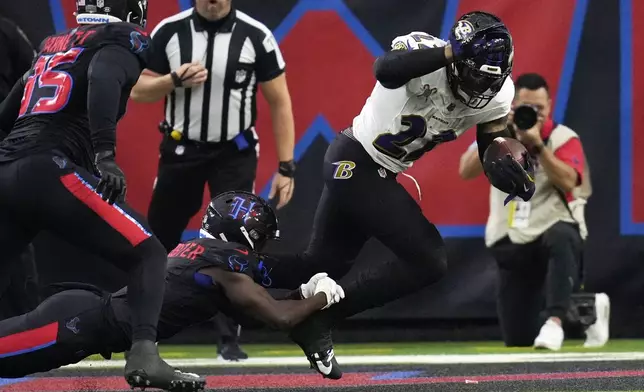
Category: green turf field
[289,350]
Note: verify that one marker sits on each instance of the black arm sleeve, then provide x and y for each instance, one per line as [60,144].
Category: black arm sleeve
[23,52]
[10,107]
[111,73]
[394,69]
[17,53]
[484,139]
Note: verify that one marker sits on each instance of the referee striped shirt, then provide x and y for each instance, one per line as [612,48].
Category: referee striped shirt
[238,54]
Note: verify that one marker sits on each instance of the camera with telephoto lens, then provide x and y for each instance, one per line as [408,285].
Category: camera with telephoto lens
[525,116]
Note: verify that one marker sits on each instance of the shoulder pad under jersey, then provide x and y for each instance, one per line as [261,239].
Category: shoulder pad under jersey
[228,256]
[126,35]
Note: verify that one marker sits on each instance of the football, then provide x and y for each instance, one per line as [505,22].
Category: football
[503,146]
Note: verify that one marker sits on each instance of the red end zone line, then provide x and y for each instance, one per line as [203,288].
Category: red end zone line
[61,384]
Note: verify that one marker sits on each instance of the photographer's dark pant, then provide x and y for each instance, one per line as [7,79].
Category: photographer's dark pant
[545,270]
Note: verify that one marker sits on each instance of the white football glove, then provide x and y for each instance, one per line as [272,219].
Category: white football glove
[308,288]
[333,291]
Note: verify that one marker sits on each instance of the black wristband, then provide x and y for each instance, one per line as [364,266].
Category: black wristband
[287,169]
[176,80]
[102,155]
[294,295]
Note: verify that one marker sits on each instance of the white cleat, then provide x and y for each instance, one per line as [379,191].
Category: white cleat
[597,334]
[550,337]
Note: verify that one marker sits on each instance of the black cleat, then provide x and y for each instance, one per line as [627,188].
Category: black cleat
[231,352]
[145,369]
[313,335]
[325,364]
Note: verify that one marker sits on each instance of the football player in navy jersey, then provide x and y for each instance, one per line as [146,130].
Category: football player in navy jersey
[58,170]
[219,272]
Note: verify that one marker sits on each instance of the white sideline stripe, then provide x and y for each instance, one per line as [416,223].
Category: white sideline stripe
[384,360]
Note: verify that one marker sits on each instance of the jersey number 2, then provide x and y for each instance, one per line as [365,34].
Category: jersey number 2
[38,88]
[393,145]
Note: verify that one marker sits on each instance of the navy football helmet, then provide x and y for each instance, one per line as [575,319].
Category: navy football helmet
[475,81]
[240,217]
[110,11]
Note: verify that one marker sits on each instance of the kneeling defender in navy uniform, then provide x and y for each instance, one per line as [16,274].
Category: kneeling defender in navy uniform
[218,272]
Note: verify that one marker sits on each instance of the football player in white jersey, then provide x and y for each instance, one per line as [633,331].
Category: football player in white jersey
[428,92]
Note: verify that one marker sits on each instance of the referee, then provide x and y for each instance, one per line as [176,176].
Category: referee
[207,62]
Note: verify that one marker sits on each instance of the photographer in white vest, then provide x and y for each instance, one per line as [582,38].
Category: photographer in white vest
[538,245]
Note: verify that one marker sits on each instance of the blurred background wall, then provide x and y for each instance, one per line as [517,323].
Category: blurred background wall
[588,50]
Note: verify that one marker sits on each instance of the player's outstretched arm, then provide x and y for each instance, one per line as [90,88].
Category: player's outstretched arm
[10,107]
[396,68]
[253,299]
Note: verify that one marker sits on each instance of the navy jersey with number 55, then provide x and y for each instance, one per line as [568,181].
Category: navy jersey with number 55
[56,111]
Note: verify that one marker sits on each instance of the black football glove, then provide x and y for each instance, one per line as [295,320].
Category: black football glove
[507,175]
[111,186]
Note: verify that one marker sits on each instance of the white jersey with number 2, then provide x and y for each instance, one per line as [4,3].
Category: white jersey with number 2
[398,126]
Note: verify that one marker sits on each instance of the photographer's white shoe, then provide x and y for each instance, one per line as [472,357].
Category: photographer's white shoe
[550,337]
[597,334]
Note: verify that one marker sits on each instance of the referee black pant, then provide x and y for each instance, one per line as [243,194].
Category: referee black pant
[533,276]
[184,170]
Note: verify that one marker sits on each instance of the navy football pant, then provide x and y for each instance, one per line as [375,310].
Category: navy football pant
[64,329]
[49,192]
[361,200]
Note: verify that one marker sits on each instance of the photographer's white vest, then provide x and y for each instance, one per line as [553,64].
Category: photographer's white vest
[523,221]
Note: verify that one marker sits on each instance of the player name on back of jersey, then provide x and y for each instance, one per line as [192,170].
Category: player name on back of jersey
[61,43]
[187,250]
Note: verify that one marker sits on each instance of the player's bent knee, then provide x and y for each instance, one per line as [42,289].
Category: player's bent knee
[433,266]
[439,265]
[561,235]
[152,249]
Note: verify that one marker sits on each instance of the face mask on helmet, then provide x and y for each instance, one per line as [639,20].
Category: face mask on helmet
[111,11]
[240,217]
